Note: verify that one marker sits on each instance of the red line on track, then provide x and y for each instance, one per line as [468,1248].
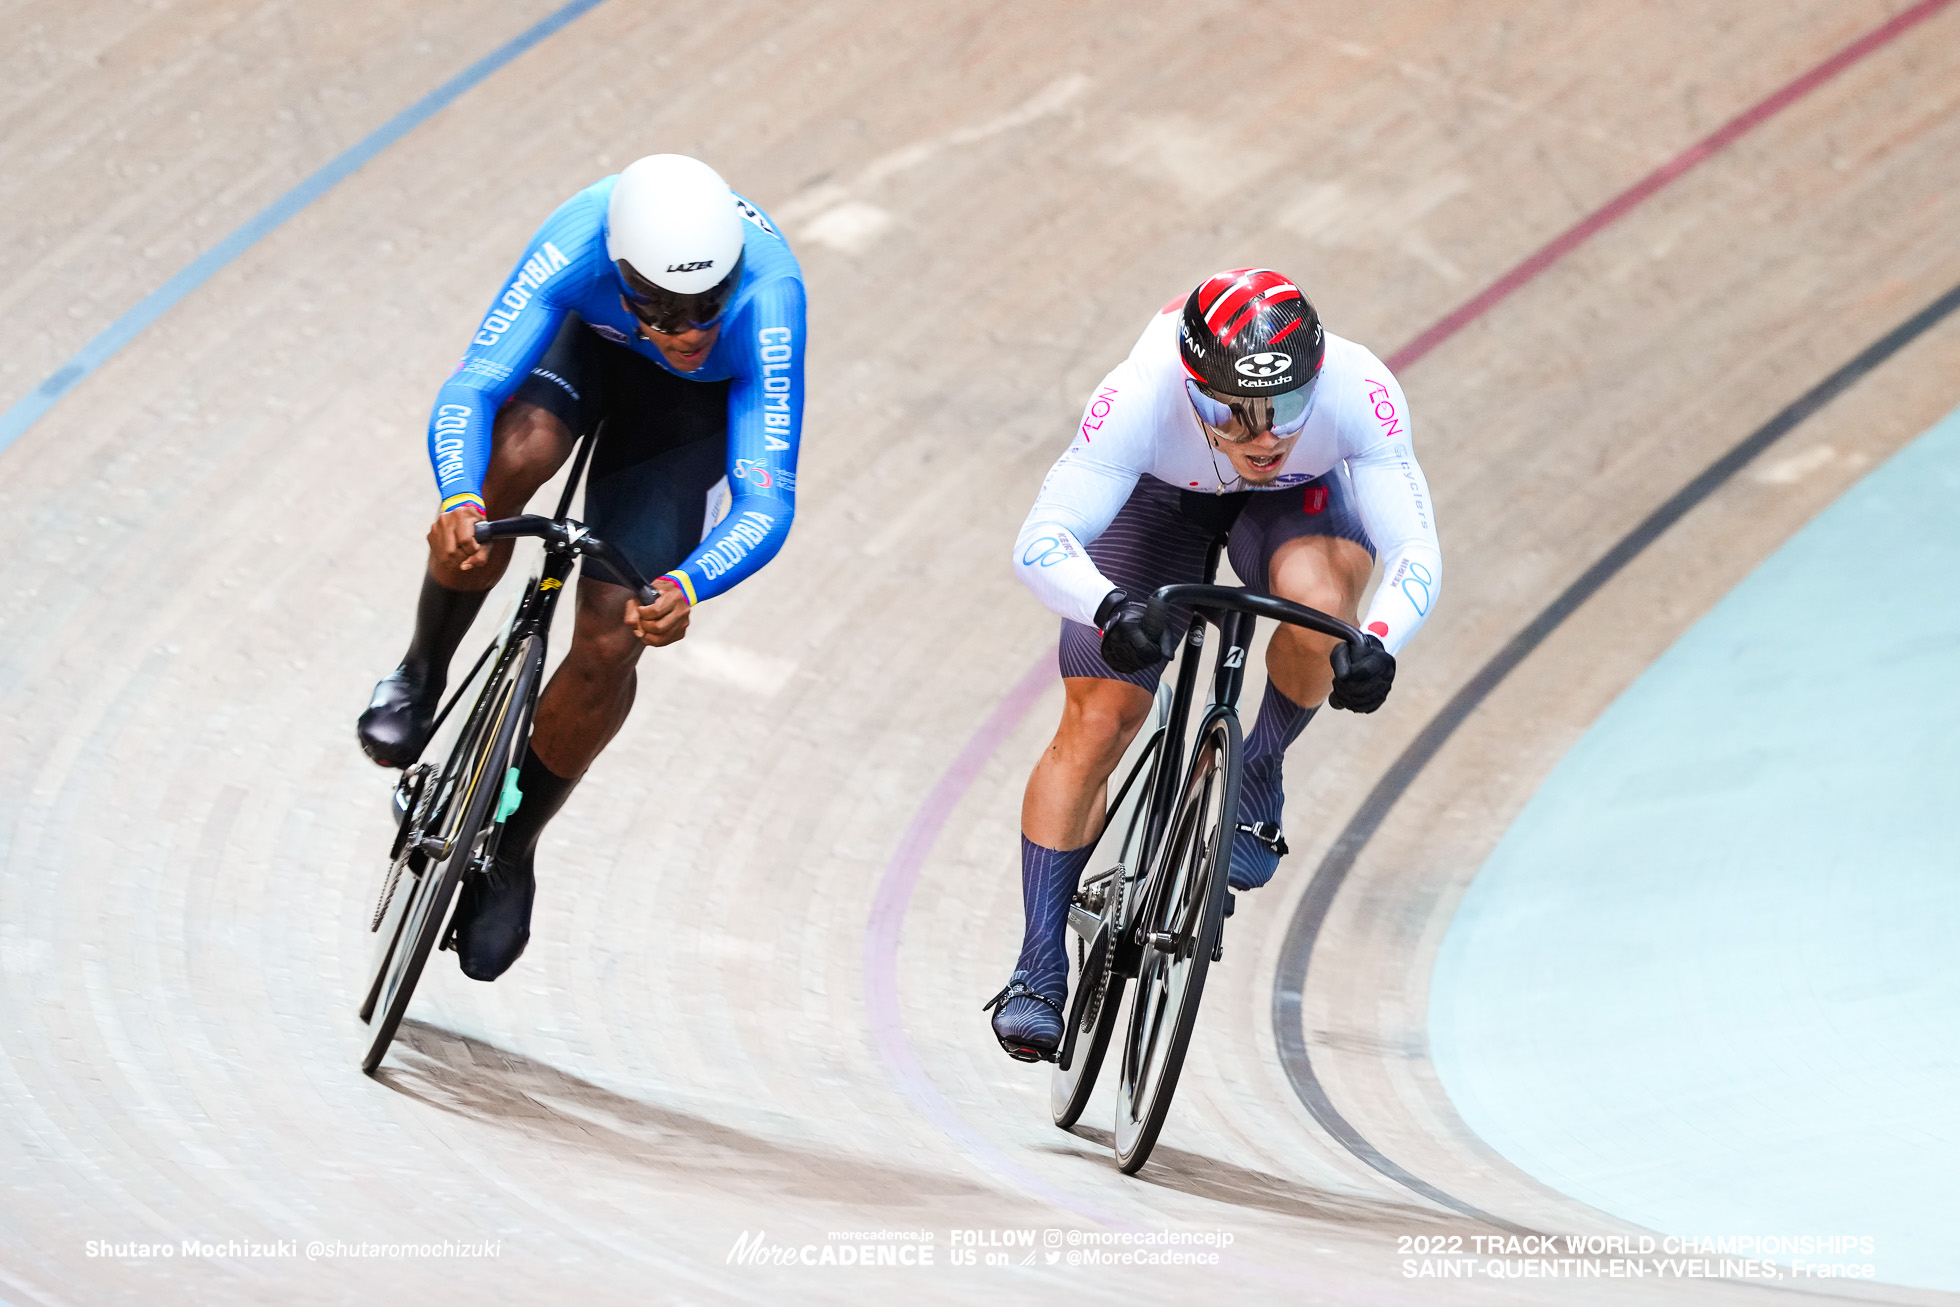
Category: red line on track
[1623,203]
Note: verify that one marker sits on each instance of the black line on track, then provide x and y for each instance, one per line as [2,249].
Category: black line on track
[1296,952]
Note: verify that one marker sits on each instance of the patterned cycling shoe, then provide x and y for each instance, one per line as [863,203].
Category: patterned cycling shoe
[493,917]
[1029,1023]
[398,719]
[1256,851]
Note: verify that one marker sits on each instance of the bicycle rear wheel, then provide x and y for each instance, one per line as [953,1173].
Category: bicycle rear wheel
[1182,913]
[459,810]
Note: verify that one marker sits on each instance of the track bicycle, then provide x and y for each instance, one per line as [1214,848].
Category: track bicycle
[1155,911]
[450,815]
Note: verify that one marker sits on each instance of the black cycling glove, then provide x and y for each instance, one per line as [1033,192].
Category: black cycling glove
[1361,680]
[1134,638]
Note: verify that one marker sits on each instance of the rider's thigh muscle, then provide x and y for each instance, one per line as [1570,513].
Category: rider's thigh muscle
[528,444]
[1323,572]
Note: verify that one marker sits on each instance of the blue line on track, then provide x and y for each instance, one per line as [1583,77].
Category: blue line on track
[29,409]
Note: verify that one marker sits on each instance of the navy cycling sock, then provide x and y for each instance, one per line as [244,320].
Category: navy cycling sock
[1048,879]
[1280,723]
[1260,797]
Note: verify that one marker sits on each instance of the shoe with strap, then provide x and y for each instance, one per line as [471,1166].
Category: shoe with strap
[1258,844]
[1028,1023]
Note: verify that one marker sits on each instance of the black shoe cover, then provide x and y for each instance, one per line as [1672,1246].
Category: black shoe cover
[397,721]
[493,917]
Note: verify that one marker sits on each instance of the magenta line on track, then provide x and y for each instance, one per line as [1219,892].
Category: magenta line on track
[1623,203]
[888,918]
[888,911]
[901,874]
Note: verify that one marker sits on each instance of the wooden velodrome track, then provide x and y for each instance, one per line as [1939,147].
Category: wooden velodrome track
[212,544]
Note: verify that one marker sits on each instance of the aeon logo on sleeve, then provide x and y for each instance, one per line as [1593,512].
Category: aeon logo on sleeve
[1384,405]
[1098,409]
[1268,364]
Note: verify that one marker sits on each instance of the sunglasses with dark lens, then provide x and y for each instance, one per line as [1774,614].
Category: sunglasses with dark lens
[1283,415]
[671,313]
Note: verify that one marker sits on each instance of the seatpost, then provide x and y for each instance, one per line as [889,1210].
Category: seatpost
[578,470]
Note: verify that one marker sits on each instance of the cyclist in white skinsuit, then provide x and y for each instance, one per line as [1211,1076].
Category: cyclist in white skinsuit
[1234,412]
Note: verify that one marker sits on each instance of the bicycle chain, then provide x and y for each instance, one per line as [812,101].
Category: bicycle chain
[388,891]
[401,859]
[1093,1007]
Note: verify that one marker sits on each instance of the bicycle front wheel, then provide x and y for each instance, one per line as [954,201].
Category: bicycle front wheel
[1182,914]
[461,819]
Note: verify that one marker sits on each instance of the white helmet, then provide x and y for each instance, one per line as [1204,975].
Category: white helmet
[674,233]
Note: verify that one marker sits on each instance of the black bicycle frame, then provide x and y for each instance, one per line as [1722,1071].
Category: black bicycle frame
[1235,613]
[564,542]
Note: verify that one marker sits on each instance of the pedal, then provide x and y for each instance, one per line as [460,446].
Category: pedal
[1269,835]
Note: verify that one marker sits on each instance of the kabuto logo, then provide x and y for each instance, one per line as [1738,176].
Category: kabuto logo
[691,267]
[1268,364]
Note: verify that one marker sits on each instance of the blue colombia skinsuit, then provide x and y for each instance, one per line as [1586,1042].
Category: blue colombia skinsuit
[565,269]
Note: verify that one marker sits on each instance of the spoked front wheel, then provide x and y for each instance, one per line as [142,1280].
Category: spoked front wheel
[448,835]
[1176,932]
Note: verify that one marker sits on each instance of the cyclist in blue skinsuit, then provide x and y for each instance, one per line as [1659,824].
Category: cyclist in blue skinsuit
[666,307]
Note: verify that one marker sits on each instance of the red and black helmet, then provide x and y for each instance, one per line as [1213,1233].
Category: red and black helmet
[1251,332]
